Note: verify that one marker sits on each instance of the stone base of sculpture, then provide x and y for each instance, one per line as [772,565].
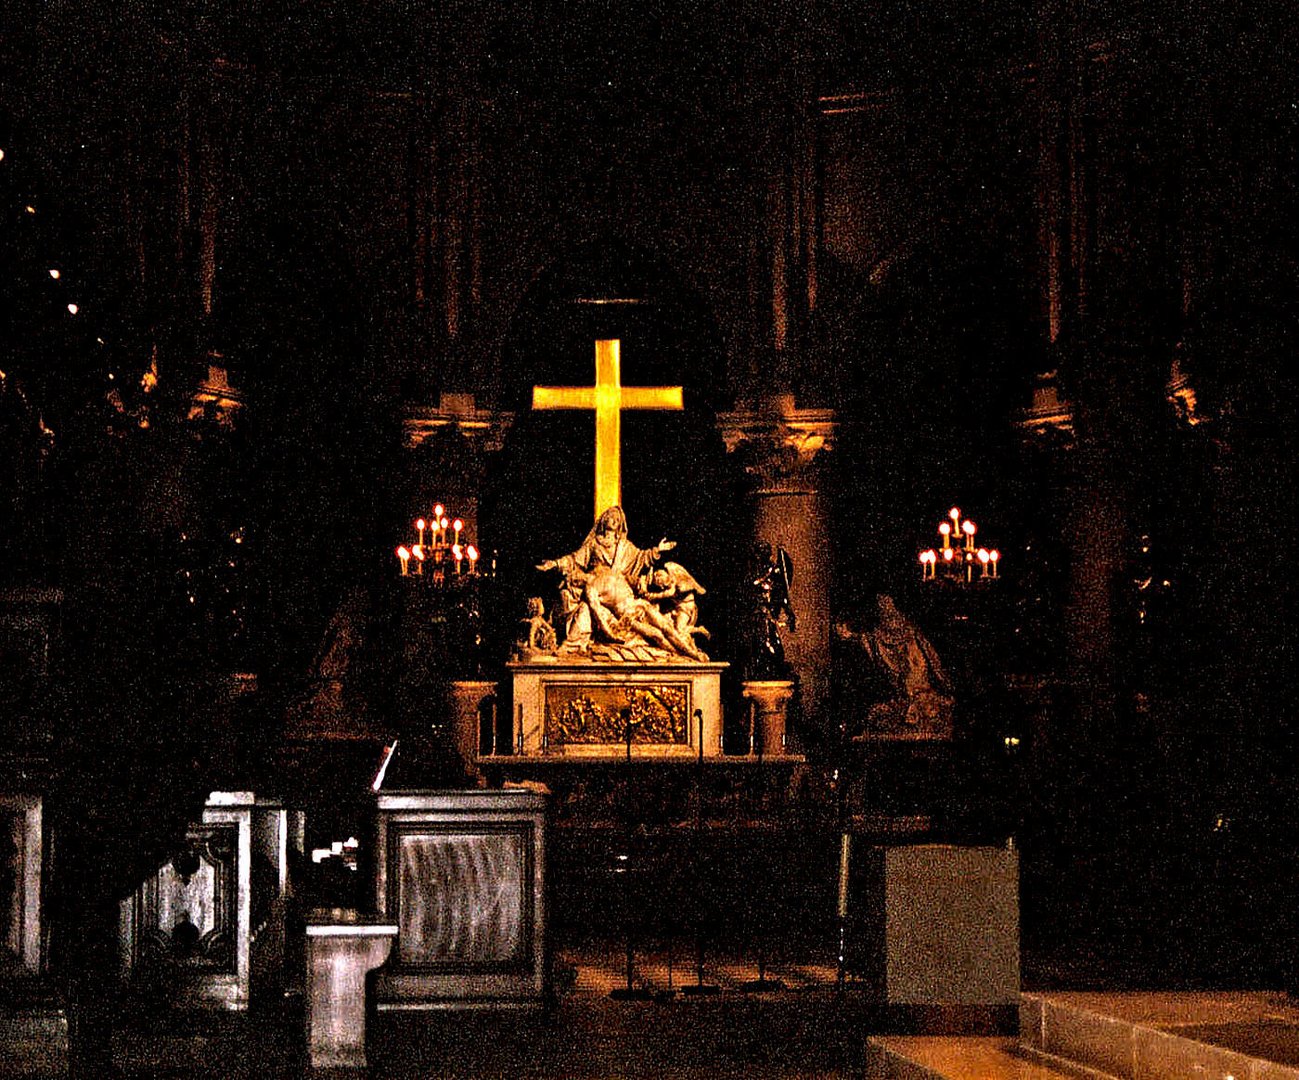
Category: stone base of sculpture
[768,722]
[585,710]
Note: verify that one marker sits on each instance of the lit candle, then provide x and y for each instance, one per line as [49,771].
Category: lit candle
[946,530]
[419,524]
[443,523]
[994,557]
[456,526]
[472,552]
[983,562]
[969,528]
[418,552]
[969,567]
[459,554]
[404,555]
[437,523]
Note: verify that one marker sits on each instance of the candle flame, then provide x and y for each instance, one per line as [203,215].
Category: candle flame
[945,529]
[954,513]
[438,511]
[948,554]
[418,552]
[472,552]
[402,553]
[420,524]
[968,527]
[457,524]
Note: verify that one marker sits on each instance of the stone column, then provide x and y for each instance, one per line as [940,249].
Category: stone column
[782,448]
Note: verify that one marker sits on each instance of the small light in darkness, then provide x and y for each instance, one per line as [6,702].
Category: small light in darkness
[55,273]
[73,309]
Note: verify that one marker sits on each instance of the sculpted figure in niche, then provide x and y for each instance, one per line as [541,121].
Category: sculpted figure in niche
[597,599]
[921,704]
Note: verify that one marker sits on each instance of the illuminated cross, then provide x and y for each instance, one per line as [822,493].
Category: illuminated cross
[608,397]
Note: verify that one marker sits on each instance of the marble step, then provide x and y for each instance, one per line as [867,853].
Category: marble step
[1165,1035]
[964,1057]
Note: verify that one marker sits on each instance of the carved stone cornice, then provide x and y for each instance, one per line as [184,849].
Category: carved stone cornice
[457,411]
[777,443]
[1049,419]
[215,397]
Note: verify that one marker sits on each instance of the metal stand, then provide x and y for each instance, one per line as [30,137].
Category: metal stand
[845,858]
[761,984]
[628,992]
[700,988]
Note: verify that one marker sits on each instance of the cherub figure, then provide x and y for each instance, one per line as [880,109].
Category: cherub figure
[537,636]
[674,589]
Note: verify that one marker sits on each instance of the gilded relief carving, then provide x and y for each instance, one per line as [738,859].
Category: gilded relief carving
[586,715]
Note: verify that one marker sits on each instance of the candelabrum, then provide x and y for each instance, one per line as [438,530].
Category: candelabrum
[440,551]
[958,560]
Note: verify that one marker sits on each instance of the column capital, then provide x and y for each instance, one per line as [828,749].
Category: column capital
[777,442]
[459,412]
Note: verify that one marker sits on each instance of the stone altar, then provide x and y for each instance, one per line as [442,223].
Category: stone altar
[576,709]
[461,874]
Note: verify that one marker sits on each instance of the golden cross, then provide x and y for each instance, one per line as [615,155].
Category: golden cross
[608,397]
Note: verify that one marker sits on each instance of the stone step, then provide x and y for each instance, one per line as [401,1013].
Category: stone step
[964,1057]
[1166,1035]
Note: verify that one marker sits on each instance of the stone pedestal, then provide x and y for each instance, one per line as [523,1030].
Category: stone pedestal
[341,948]
[467,699]
[574,709]
[769,699]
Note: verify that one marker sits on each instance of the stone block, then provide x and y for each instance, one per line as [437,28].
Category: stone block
[1089,1039]
[942,926]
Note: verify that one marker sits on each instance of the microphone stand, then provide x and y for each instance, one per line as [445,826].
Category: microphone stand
[761,984]
[627,992]
[700,988]
[845,856]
